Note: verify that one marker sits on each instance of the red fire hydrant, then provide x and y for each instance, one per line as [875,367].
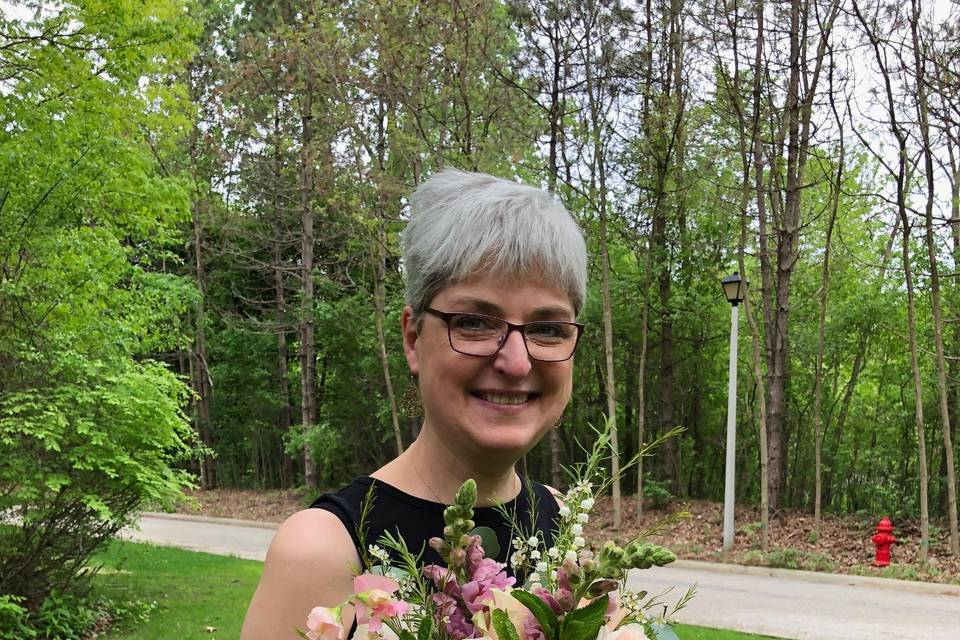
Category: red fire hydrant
[883,539]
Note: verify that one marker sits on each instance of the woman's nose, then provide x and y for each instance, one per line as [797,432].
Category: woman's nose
[513,359]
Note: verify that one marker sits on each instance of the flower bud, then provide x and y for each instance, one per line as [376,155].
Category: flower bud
[587,504]
[576,529]
[601,587]
[458,557]
[467,494]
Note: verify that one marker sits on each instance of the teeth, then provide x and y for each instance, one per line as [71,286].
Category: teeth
[504,399]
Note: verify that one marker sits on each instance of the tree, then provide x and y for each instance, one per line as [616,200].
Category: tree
[91,421]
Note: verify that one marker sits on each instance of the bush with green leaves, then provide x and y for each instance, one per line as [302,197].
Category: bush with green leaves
[91,422]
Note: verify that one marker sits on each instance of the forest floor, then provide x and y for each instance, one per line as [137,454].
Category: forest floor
[844,544]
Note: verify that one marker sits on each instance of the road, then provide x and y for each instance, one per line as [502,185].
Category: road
[787,604]
[805,605]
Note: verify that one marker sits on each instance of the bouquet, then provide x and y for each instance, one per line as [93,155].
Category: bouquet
[566,592]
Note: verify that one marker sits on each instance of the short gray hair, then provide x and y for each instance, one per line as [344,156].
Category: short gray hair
[462,223]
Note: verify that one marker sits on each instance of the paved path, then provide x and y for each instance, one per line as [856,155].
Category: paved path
[787,604]
[214,535]
[805,605]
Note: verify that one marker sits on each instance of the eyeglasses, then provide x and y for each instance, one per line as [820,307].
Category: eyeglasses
[475,334]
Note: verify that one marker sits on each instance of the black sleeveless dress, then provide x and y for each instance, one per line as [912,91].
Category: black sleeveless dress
[417,520]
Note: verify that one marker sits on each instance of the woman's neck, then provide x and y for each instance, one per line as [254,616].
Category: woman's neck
[430,469]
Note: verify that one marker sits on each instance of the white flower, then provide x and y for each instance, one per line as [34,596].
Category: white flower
[553,575]
[570,555]
[379,553]
[554,553]
[576,529]
[564,511]
[533,542]
[542,566]
[587,504]
[535,554]
[535,585]
[579,542]
[534,577]
[516,559]
[583,518]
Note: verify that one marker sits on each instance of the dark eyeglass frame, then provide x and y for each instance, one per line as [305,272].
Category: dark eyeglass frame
[447,315]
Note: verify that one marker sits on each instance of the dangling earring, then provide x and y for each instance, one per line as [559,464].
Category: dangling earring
[410,402]
[559,422]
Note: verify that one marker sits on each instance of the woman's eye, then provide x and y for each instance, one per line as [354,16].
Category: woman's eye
[548,330]
[473,323]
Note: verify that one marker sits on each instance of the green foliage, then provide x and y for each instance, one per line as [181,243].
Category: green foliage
[656,492]
[790,559]
[14,619]
[91,423]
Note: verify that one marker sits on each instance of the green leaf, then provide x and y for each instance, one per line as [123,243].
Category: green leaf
[541,611]
[406,635]
[426,627]
[663,631]
[488,539]
[585,623]
[502,625]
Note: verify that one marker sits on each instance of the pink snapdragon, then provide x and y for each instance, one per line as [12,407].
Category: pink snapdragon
[324,624]
[485,574]
[372,598]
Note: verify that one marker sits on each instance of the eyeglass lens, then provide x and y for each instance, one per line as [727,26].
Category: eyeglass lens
[479,335]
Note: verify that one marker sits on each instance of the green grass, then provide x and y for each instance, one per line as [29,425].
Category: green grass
[183,594]
[172,593]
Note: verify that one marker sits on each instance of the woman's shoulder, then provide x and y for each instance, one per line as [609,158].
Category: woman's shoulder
[311,533]
[310,543]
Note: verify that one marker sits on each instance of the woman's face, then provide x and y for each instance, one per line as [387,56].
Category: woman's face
[501,404]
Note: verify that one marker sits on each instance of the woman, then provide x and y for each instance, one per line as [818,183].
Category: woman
[495,278]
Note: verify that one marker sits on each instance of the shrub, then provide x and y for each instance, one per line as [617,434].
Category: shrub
[656,492]
[80,457]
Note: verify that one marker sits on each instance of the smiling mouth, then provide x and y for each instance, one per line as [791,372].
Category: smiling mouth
[505,399]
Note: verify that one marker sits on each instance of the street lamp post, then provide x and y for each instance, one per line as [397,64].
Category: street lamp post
[735,289]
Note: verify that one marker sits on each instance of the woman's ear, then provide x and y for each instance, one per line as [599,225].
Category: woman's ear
[408,323]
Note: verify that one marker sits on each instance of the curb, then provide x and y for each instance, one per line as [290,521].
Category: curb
[253,524]
[822,578]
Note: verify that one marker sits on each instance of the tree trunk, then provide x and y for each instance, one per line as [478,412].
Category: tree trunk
[594,90]
[765,280]
[641,388]
[379,271]
[308,356]
[202,384]
[922,109]
[555,118]
[821,331]
[285,419]
[901,178]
